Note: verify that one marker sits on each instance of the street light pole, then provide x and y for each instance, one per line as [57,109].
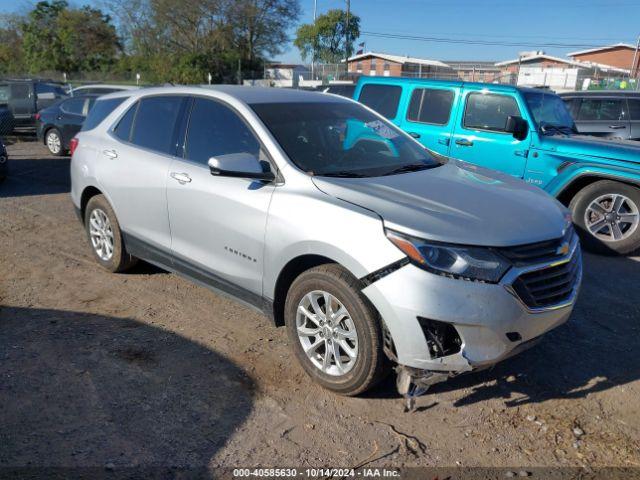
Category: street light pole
[313,58]
[346,34]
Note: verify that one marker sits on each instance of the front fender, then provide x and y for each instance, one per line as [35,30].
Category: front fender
[571,172]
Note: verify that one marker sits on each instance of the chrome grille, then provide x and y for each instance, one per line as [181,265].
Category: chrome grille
[540,252]
[552,285]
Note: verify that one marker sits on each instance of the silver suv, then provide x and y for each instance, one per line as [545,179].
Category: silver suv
[320,213]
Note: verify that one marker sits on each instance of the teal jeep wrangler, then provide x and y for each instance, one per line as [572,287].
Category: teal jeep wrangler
[529,134]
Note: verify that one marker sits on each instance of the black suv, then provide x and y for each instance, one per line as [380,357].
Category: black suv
[25,98]
[608,114]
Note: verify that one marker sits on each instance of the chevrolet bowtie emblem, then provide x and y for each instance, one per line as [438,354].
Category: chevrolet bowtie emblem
[563,249]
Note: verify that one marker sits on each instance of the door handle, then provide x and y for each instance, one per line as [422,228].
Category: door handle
[414,134]
[617,127]
[463,142]
[110,154]
[182,178]
[443,141]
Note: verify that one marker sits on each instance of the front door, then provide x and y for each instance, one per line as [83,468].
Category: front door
[480,136]
[429,117]
[218,223]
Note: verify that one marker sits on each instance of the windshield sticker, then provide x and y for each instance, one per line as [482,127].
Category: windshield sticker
[383,130]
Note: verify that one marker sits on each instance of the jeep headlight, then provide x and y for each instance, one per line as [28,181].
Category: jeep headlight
[469,263]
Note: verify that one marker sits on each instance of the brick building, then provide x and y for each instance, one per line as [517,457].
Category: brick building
[382,64]
[620,55]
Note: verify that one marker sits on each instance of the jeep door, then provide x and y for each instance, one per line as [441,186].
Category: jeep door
[429,116]
[480,137]
[217,222]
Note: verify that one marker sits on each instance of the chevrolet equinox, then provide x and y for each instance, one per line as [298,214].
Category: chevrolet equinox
[370,249]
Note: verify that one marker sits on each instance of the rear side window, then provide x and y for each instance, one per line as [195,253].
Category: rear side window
[383,99]
[20,90]
[73,106]
[214,130]
[487,111]
[601,109]
[430,105]
[100,111]
[155,123]
[123,129]
[634,108]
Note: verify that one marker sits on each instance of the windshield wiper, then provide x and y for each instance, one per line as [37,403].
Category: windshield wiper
[411,167]
[341,174]
[550,129]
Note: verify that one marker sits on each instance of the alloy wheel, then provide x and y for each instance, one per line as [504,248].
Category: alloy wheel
[53,143]
[327,333]
[101,234]
[612,217]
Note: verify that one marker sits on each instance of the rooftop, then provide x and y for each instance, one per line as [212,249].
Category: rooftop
[599,49]
[399,59]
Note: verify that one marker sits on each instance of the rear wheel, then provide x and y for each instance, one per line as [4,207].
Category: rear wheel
[335,331]
[105,236]
[53,141]
[608,216]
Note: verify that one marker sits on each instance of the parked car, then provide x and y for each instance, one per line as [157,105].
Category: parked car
[100,89]
[608,114]
[26,97]
[326,217]
[6,119]
[4,162]
[58,124]
[526,133]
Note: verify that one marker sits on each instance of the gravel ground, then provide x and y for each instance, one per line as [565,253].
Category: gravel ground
[145,368]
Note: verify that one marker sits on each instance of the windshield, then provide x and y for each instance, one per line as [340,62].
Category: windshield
[550,113]
[341,140]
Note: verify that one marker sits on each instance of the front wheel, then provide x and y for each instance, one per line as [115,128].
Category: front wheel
[607,214]
[335,331]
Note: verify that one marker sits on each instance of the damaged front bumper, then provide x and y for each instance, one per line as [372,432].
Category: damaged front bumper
[441,327]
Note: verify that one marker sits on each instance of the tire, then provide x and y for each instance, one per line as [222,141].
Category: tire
[604,193]
[370,364]
[118,260]
[53,141]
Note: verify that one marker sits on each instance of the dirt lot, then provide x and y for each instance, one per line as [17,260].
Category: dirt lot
[145,368]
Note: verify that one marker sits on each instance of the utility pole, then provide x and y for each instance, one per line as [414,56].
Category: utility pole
[346,35]
[634,65]
[313,57]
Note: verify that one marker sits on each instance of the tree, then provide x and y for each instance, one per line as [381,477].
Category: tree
[326,37]
[11,57]
[57,38]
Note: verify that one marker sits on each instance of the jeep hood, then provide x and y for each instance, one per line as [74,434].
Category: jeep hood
[593,147]
[456,203]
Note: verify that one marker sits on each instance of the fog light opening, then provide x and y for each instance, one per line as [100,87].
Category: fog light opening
[442,338]
[514,336]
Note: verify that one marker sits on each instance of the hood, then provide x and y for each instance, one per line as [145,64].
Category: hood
[594,147]
[456,203]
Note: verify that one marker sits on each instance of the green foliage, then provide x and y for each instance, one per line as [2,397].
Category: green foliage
[327,37]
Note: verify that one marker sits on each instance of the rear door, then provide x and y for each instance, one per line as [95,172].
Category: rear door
[429,116]
[218,223]
[605,117]
[22,100]
[134,166]
[479,136]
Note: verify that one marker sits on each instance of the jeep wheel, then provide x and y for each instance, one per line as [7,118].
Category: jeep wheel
[607,214]
[105,237]
[335,331]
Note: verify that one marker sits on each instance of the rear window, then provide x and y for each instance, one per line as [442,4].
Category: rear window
[100,111]
[430,105]
[155,123]
[383,99]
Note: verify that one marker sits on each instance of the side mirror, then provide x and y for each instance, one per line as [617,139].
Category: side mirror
[240,165]
[517,126]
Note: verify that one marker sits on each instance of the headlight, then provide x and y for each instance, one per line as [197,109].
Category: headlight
[470,263]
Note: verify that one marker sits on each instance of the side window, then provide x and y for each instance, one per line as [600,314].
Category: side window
[601,109]
[20,90]
[430,105]
[123,129]
[73,106]
[572,105]
[102,109]
[383,99]
[155,123]
[487,111]
[214,130]
[634,108]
